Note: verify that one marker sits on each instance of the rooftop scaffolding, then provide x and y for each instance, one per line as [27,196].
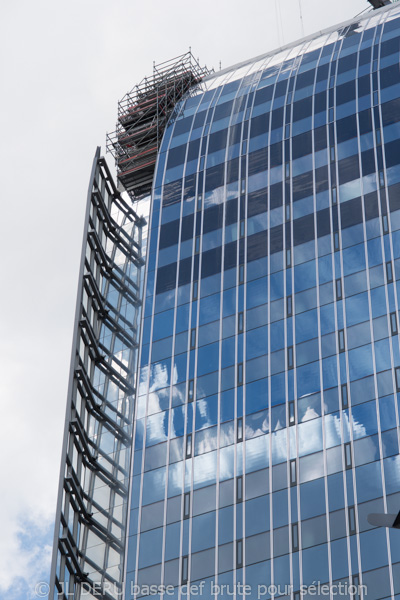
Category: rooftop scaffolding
[143,115]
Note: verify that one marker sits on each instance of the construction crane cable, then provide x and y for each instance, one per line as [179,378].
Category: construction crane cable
[301,19]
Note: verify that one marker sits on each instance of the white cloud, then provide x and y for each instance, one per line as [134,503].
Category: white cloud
[63,67]
[32,544]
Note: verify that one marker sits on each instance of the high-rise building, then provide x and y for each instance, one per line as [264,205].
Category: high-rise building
[233,411]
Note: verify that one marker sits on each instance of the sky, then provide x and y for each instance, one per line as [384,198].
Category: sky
[63,67]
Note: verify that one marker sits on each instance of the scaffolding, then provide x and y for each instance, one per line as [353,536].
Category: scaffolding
[143,115]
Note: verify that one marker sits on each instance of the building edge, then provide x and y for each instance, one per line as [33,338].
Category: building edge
[71,377]
[89,529]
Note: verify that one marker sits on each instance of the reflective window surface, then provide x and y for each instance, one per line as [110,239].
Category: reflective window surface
[267,416]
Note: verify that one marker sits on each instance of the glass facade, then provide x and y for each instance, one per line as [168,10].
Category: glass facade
[267,416]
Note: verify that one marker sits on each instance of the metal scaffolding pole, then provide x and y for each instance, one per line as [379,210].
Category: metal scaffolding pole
[143,115]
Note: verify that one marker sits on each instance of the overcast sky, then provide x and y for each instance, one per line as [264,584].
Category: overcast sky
[63,67]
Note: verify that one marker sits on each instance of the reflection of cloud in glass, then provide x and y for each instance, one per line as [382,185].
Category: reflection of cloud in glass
[206,440]
[226,463]
[310,437]
[201,405]
[158,401]
[309,414]
[158,377]
[144,371]
[257,453]
[312,467]
[205,469]
[333,429]
[153,405]
[178,393]
[157,428]
[168,298]
[226,434]
[279,446]
[257,424]
[175,479]
[359,430]
[216,196]
[188,475]
[278,425]
[174,376]
[202,412]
